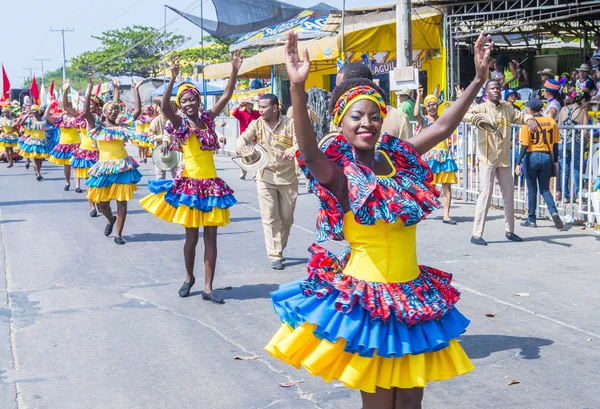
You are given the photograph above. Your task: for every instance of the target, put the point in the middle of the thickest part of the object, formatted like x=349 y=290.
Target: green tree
x=131 y=51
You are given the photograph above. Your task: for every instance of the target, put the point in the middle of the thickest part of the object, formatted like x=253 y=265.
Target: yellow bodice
x=9 y=130
x=69 y=136
x=112 y=150
x=382 y=252
x=442 y=146
x=87 y=143
x=37 y=134
x=198 y=164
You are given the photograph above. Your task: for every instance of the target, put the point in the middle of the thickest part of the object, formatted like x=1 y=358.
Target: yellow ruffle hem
x=4 y=145
x=82 y=173
x=58 y=161
x=300 y=348
x=34 y=155
x=445 y=178
x=184 y=215
x=119 y=192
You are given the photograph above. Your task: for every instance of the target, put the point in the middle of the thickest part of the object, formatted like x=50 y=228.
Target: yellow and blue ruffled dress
x=372 y=316
x=142 y=129
x=86 y=154
x=197 y=197
x=69 y=140
x=35 y=144
x=441 y=161
x=115 y=175
x=9 y=136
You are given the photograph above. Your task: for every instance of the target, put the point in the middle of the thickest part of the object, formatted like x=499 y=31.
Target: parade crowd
x=370 y=317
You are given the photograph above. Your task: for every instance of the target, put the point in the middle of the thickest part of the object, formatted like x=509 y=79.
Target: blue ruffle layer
x=204 y=204
x=61 y=155
x=447 y=166
x=365 y=336
x=34 y=148
x=79 y=163
x=124 y=178
x=9 y=141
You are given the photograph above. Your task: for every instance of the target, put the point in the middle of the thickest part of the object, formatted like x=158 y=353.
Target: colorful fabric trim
x=67 y=122
x=61 y=154
x=354 y=95
x=143 y=119
x=201 y=194
x=33 y=125
x=113 y=167
x=9 y=138
x=101 y=133
x=128 y=177
x=86 y=154
x=208 y=138
x=408 y=195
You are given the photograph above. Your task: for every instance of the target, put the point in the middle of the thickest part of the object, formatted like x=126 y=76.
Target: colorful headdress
x=551 y=85
x=36 y=108
x=185 y=88
x=430 y=98
x=578 y=94
x=108 y=104
x=96 y=100
x=360 y=93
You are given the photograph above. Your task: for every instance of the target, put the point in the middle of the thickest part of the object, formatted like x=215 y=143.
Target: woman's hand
x=90 y=79
x=237 y=60
x=533 y=125
x=518 y=170
x=420 y=92
x=66 y=86
x=136 y=84
x=482 y=56
x=297 y=70
x=459 y=91
x=175 y=68
x=115 y=83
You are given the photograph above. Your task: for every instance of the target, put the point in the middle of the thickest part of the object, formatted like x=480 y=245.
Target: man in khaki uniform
x=277 y=183
x=493 y=153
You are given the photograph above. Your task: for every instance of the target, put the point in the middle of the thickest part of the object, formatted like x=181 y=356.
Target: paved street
x=88 y=324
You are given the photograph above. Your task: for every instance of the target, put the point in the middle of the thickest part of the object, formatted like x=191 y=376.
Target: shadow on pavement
x=245 y=292
x=481 y=346
x=464 y=219
x=11 y=221
x=551 y=239
x=151 y=237
x=290 y=261
x=243 y=219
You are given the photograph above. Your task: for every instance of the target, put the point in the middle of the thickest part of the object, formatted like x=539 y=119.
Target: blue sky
x=28 y=24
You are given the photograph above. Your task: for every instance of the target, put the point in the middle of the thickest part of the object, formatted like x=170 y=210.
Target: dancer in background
x=35 y=146
x=142 y=129
x=440 y=160
x=9 y=136
x=68 y=143
x=115 y=175
x=86 y=154
x=197 y=197
x=371 y=317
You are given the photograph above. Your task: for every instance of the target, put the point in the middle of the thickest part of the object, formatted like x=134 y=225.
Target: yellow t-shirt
x=540 y=141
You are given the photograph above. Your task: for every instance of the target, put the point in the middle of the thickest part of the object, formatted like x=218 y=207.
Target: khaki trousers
x=277 y=205
x=487 y=174
x=162 y=174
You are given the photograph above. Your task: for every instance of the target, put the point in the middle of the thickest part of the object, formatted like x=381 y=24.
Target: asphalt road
x=88 y=324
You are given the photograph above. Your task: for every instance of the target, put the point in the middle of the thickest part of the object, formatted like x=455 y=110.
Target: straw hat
x=486 y=123
x=324 y=141
x=548 y=72
x=252 y=158
x=403 y=92
x=584 y=67
x=165 y=162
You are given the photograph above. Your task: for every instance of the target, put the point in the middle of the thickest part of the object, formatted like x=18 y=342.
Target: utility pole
x=343 y=31
x=42 y=61
x=403 y=34
x=165 y=46
x=30 y=71
x=62 y=30
x=204 y=97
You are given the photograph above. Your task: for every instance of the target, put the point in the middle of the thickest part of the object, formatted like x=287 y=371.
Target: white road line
x=523 y=309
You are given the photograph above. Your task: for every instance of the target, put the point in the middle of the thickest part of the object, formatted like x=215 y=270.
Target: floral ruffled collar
x=406 y=195
x=208 y=138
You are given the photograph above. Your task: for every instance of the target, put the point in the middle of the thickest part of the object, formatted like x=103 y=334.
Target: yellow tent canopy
x=373 y=32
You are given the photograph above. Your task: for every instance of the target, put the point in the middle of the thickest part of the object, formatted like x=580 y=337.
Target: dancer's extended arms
x=164 y=103
x=236 y=63
x=91 y=120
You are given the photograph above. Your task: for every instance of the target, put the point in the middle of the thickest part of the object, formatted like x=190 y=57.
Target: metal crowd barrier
x=229 y=127
x=581 y=157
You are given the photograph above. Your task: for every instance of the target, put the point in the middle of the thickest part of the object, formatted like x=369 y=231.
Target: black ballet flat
x=94 y=213
x=78 y=190
x=10 y=166
x=39 y=178
x=184 y=291
x=27 y=166
x=109 y=228
x=67 y=187
x=213 y=298
x=450 y=221
x=119 y=240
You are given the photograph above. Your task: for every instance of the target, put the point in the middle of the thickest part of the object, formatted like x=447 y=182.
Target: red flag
x=52 y=91
x=5 y=85
x=99 y=88
x=35 y=92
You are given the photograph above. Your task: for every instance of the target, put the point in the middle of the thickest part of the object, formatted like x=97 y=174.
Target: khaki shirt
x=396 y=123
x=276 y=141
x=157 y=129
x=493 y=150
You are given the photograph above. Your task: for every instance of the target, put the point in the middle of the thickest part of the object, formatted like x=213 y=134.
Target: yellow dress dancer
x=9 y=136
x=86 y=154
x=34 y=146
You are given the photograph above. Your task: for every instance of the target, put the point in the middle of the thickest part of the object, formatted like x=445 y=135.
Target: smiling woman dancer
x=9 y=136
x=115 y=175
x=371 y=317
x=197 y=197
x=142 y=128
x=35 y=145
